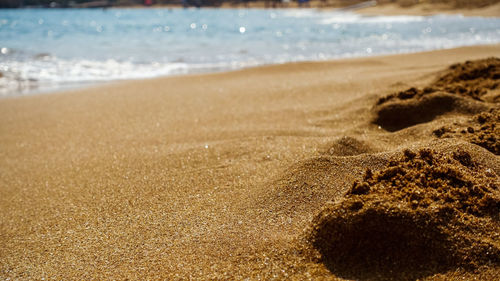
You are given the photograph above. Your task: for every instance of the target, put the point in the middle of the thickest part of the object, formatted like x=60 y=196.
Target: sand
x=236 y=175
x=426 y=212
x=486 y=8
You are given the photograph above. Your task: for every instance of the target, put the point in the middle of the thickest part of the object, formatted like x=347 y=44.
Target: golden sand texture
x=211 y=176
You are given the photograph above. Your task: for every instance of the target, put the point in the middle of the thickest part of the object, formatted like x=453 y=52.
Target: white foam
x=353 y=18
x=348 y=17
x=300 y=13
x=24 y=76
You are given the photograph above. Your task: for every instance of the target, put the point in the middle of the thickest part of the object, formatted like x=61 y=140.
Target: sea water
x=49 y=49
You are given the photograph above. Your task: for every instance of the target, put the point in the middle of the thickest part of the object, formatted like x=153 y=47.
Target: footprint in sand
x=468 y=88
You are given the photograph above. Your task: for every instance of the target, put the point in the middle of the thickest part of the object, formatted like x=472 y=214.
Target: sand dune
x=259 y=173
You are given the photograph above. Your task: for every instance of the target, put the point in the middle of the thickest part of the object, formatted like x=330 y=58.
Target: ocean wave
x=45 y=72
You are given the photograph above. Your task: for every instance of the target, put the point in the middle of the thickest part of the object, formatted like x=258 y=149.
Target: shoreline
x=91 y=85
x=214 y=175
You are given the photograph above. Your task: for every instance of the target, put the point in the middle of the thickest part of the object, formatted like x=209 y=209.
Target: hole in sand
x=397 y=114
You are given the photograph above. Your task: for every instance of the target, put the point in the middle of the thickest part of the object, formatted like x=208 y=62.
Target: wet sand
x=241 y=174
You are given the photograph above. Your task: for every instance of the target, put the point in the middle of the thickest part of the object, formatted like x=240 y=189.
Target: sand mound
x=462 y=88
x=425 y=213
x=484 y=131
x=348 y=146
x=309 y=184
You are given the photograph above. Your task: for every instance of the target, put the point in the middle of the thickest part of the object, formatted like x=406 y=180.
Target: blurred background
x=214 y=3
x=49 y=45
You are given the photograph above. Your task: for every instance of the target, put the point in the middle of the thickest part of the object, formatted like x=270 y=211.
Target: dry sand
x=228 y=175
x=426 y=8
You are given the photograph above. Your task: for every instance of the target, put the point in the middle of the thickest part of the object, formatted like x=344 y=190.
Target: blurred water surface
x=47 y=49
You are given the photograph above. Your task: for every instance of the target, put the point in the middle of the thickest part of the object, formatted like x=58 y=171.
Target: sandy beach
x=228 y=176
